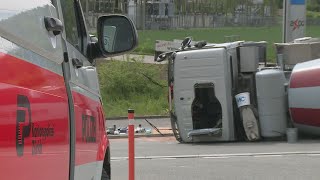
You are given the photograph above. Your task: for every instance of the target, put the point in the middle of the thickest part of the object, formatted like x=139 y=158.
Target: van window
x=70 y=23
x=81 y=26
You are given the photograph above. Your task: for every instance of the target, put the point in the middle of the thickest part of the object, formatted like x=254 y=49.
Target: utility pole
x=143 y=14
x=87 y=7
x=87 y=12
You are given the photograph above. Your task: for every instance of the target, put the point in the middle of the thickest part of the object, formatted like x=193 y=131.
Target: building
x=151 y=14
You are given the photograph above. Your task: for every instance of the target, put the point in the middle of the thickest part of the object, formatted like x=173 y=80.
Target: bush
x=313 y=14
x=145 y=47
x=132 y=84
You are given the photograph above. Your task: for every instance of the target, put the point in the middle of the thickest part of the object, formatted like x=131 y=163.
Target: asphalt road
x=240 y=168
x=165 y=159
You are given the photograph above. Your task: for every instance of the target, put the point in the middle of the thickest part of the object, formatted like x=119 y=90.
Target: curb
x=138 y=136
x=137 y=117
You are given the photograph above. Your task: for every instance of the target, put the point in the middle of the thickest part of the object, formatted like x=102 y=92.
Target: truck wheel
x=105 y=175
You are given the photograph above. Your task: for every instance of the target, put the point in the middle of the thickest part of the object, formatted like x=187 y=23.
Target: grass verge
x=134 y=85
x=272 y=35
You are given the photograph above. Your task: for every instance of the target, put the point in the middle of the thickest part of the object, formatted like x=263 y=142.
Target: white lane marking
x=166 y=159
x=313 y=154
x=264 y=156
x=274 y=154
x=215 y=157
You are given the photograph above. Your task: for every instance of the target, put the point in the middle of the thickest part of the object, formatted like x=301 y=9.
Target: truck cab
x=52 y=122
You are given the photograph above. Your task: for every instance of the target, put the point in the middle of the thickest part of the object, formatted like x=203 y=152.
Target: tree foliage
x=313 y=5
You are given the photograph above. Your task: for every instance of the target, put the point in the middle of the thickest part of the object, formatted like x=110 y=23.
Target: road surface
x=165 y=159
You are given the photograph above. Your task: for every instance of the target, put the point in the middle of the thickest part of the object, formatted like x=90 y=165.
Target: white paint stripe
x=313 y=154
x=215 y=157
x=166 y=159
x=224 y=155
x=268 y=156
x=307 y=97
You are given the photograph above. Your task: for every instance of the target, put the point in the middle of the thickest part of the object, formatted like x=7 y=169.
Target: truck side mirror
x=116 y=35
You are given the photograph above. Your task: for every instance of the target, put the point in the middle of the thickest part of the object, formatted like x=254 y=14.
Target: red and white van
x=52 y=124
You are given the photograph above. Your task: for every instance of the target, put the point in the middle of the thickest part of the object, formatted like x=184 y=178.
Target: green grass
x=143 y=105
x=272 y=35
x=123 y=85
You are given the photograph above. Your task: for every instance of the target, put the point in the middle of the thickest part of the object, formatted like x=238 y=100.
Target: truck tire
x=105 y=175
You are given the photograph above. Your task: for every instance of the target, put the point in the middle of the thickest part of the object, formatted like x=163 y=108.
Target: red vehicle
x=52 y=124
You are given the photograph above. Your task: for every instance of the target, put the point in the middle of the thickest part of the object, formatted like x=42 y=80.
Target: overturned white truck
x=218 y=92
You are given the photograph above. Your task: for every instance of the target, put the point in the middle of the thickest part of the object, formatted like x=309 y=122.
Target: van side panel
x=34 y=131
x=90 y=135
x=34 y=117
x=89 y=129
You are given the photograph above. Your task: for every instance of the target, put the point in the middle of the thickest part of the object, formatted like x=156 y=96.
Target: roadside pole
x=131 y=143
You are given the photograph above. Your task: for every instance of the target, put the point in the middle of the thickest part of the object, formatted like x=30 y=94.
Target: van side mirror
x=116 y=35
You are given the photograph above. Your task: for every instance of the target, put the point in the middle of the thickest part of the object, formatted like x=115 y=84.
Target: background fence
x=195 y=21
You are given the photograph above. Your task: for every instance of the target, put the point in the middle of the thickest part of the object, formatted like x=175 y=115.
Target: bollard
x=131 y=143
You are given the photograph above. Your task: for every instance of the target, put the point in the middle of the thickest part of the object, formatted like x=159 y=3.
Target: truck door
x=34 y=119
x=88 y=122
